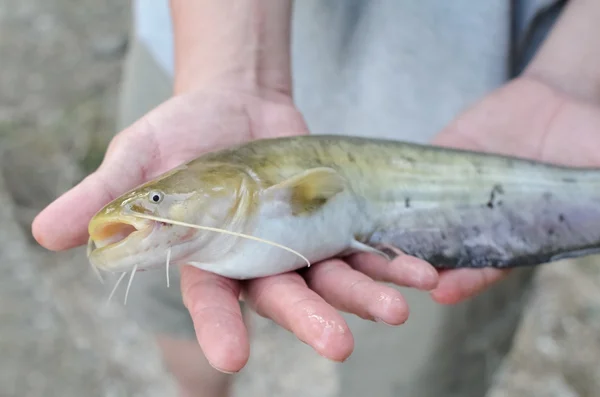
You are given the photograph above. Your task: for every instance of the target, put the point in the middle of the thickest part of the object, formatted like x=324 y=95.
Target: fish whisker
x=167 y=266
x=129 y=283
x=224 y=231
x=115 y=287
x=94 y=268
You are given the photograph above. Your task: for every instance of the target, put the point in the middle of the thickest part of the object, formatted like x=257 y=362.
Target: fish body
x=325 y=196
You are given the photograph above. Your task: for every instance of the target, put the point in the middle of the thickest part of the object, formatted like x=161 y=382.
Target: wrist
x=244 y=79
x=232 y=44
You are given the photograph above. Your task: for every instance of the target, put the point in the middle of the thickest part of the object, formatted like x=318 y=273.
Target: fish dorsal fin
x=308 y=190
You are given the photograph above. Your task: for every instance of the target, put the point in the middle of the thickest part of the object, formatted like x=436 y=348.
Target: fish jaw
x=114 y=238
x=107 y=231
x=122 y=243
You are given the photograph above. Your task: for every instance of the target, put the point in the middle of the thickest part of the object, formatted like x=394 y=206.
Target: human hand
x=303 y=302
x=524 y=118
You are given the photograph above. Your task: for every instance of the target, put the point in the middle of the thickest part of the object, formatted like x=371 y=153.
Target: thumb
x=63 y=224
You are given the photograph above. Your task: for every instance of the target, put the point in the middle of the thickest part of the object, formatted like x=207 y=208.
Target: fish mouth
x=110 y=232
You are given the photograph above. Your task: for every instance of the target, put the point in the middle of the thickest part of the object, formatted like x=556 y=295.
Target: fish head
x=122 y=237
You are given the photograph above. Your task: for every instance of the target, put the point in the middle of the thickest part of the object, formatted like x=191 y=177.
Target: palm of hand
x=186 y=126
x=529 y=119
x=523 y=119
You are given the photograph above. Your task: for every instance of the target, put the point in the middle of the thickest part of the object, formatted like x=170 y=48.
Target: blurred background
x=60 y=68
x=60 y=64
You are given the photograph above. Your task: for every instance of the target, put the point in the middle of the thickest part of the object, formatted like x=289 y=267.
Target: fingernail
x=381 y=321
x=222 y=370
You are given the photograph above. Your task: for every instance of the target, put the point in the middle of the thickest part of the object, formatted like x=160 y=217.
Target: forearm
x=232 y=42
x=570 y=58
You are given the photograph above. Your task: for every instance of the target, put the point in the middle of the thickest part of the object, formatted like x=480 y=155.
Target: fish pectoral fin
x=308 y=190
x=357 y=247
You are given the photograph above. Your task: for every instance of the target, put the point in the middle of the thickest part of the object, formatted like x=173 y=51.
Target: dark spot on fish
x=550 y=232
x=476 y=229
x=569 y=180
x=351 y=158
x=407 y=202
x=500 y=202
x=497 y=189
x=443 y=236
x=547 y=196
x=561 y=218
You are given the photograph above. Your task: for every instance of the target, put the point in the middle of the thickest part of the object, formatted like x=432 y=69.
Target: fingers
x=354 y=292
x=289 y=302
x=63 y=224
x=213 y=304
x=460 y=284
x=404 y=270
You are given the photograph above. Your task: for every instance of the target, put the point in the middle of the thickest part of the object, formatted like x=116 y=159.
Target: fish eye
x=155 y=197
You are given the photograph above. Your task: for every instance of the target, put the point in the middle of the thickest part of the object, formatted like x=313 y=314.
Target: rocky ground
x=556 y=351
x=60 y=64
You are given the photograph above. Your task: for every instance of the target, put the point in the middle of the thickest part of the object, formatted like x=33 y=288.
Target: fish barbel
x=326 y=196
